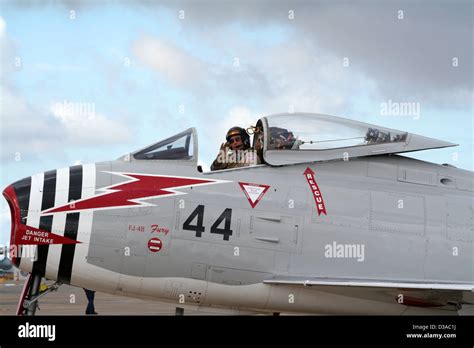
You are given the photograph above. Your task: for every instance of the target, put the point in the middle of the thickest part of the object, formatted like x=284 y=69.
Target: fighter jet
x=332 y=221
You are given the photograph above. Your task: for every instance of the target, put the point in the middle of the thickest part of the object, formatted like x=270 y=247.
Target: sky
x=88 y=81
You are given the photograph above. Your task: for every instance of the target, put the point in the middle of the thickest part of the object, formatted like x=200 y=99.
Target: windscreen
x=178 y=147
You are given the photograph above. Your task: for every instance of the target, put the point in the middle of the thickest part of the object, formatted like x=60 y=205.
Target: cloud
x=85 y=126
x=187 y=71
x=25 y=130
x=278 y=77
x=408 y=54
x=304 y=78
x=245 y=117
x=406 y=48
x=184 y=70
x=59 y=68
x=3 y=26
x=7 y=49
x=29 y=130
x=4 y=213
x=169 y=60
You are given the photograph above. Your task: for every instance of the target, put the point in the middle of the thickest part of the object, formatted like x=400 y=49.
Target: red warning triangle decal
x=253 y=192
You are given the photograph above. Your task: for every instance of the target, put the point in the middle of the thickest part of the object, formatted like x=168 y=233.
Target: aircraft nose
x=17 y=196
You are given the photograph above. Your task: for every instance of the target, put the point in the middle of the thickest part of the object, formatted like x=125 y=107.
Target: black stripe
x=46 y=222
x=72 y=223
x=75 y=183
x=22 y=190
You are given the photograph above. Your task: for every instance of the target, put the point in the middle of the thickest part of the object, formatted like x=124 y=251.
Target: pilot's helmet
x=239 y=131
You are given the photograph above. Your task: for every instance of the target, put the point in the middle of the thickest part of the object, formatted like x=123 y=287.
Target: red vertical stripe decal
x=318 y=197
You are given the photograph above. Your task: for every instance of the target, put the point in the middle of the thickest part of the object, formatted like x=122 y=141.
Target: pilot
x=236 y=152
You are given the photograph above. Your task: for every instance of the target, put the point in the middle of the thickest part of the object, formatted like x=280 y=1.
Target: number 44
x=199 y=227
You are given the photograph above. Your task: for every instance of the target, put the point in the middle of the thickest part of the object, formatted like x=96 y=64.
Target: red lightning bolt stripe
x=127 y=194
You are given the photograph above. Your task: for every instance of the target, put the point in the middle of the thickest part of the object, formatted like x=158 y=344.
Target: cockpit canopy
x=301 y=132
x=178 y=147
x=303 y=137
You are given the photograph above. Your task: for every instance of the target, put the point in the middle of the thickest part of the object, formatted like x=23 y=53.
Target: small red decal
x=155 y=245
x=136 y=228
x=27 y=235
x=318 y=197
x=158 y=229
x=253 y=192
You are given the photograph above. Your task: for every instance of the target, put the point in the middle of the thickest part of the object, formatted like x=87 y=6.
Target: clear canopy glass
x=178 y=147
x=321 y=132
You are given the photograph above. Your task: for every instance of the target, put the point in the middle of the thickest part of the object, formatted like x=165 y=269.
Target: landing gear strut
x=30 y=307
x=31 y=294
